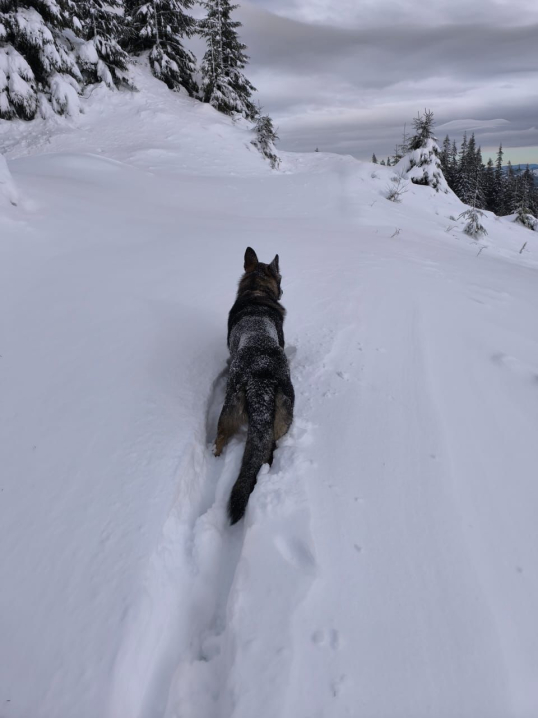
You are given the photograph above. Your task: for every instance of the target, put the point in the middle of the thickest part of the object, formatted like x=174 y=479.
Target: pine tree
x=444 y=157
x=101 y=57
x=266 y=136
x=465 y=180
x=374 y=159
x=489 y=186
x=38 y=65
x=422 y=164
x=532 y=191
x=499 y=186
x=479 y=172
x=510 y=190
x=423 y=126
x=224 y=86
x=453 y=174
x=159 y=26
x=473 y=226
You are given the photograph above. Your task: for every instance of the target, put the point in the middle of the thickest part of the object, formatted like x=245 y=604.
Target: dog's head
x=261 y=277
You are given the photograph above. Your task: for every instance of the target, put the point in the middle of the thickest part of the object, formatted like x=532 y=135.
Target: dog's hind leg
x=232 y=417
x=285 y=400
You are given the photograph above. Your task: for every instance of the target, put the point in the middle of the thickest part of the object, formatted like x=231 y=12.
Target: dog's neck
x=264 y=293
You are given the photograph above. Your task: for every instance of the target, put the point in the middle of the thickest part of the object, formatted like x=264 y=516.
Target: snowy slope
x=387 y=565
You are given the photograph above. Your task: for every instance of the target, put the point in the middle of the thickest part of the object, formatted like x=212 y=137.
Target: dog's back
x=259 y=389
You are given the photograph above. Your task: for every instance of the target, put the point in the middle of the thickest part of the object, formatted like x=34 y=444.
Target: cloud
x=468 y=125
x=345 y=76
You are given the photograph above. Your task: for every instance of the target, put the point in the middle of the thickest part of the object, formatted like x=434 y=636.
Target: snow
x=387 y=562
x=8 y=190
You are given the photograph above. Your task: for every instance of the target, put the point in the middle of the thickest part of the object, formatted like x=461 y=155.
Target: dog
x=259 y=391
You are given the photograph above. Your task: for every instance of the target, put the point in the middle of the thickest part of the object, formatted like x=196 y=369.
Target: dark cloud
x=350 y=88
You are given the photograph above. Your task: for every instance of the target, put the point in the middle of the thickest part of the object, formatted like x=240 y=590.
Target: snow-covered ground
x=387 y=566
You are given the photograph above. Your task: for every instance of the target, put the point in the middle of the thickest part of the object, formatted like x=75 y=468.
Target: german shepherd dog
x=259 y=391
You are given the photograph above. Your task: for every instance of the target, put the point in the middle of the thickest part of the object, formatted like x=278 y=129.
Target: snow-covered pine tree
x=102 y=59
x=444 y=158
x=224 y=85
x=266 y=136
x=421 y=164
x=464 y=185
x=38 y=64
x=510 y=190
x=453 y=165
x=479 y=170
x=489 y=185
x=523 y=208
x=159 y=26
x=499 y=186
x=374 y=159
x=473 y=226
x=532 y=189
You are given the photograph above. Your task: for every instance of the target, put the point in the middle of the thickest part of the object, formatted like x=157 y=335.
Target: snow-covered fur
x=259 y=390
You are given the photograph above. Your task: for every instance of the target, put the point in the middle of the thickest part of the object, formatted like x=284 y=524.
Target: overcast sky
x=345 y=75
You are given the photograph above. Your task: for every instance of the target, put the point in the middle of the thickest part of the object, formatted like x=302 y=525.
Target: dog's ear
x=274 y=266
x=251 y=260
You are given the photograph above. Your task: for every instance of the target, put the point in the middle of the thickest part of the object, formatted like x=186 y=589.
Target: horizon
x=346 y=78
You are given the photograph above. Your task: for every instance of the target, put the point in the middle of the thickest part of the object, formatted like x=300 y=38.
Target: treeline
x=491 y=186
x=510 y=190
x=50 y=50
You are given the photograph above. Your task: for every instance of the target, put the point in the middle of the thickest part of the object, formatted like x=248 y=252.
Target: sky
x=346 y=75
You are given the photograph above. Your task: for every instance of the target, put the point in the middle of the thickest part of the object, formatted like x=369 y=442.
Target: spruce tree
x=510 y=191
x=374 y=159
x=224 y=85
x=101 y=58
x=444 y=157
x=453 y=163
x=423 y=126
x=479 y=171
x=523 y=201
x=473 y=226
x=489 y=186
x=532 y=191
x=159 y=26
x=38 y=65
x=266 y=136
x=499 y=186
x=422 y=164
x=465 y=180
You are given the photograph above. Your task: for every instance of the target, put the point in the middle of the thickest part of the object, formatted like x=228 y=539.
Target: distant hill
x=534 y=168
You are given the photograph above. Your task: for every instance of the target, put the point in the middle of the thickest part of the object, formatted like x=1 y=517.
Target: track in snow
x=186 y=646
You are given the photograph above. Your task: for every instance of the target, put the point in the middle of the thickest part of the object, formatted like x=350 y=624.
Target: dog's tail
x=260 y=402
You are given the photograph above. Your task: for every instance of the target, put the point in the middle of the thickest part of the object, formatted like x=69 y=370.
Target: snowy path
x=387 y=564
